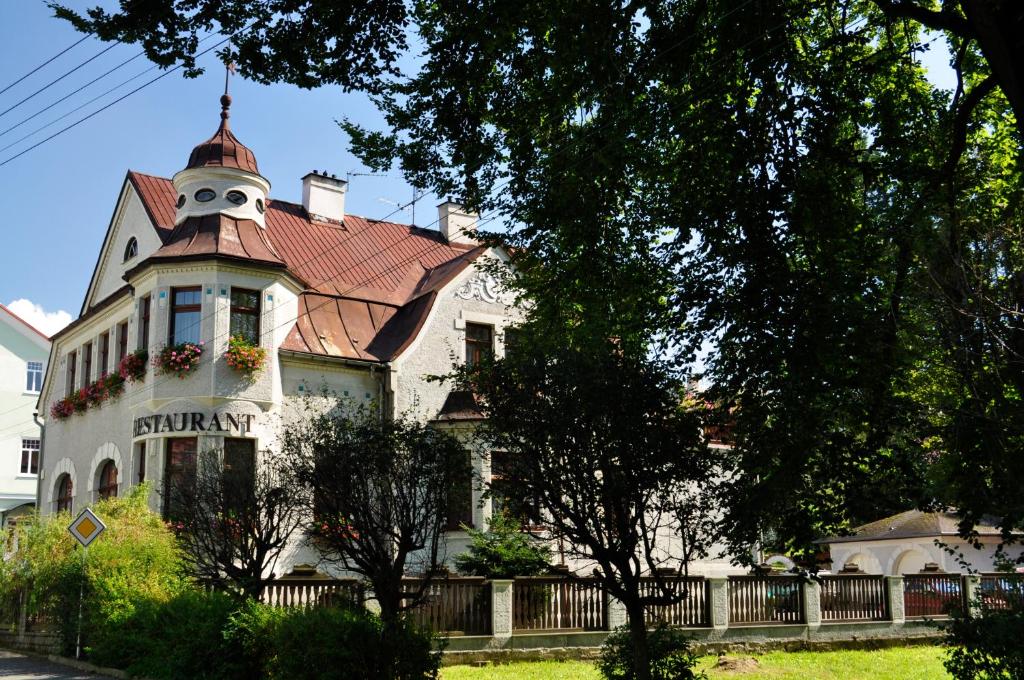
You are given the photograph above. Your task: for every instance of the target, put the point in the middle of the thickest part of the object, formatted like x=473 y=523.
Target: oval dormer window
x=236 y=197
x=131 y=249
x=259 y=205
x=181 y=200
x=205 y=195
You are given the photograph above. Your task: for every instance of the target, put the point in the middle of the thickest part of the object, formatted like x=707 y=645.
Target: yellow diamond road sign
x=86 y=527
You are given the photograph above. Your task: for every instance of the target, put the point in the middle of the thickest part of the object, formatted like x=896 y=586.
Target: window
x=526 y=510
x=107 y=482
x=185 y=315
x=513 y=340
x=141 y=464
x=65 y=493
x=29 y=457
x=179 y=472
x=239 y=473
x=144 y=309
x=236 y=197
x=460 y=502
x=131 y=249
x=122 y=341
x=104 y=354
x=69 y=383
x=34 y=377
x=86 y=363
x=205 y=195
x=479 y=343
x=245 y=314
x=181 y=200
x=259 y=206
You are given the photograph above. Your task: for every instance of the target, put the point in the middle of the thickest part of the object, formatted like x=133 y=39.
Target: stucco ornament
x=480 y=286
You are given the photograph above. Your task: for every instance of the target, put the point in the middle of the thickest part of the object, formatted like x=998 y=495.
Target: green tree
x=505 y=550
x=600 y=441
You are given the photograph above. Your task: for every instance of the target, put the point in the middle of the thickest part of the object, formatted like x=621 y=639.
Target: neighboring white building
x=23 y=355
x=368 y=309
x=906 y=542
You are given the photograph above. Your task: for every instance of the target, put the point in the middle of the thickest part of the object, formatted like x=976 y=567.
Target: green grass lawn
x=900 y=663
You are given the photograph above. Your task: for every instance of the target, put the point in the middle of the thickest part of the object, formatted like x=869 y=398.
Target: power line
x=70 y=94
x=116 y=101
x=63 y=51
x=59 y=78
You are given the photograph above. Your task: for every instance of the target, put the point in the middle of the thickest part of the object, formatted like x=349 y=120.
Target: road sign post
x=86 y=528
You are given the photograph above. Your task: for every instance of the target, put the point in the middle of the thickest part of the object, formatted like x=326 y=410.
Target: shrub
x=134 y=561
x=337 y=643
x=503 y=551
x=182 y=637
x=988 y=646
x=669 y=654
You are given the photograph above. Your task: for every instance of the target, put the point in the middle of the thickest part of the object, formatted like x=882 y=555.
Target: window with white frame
x=34 y=376
x=29 y=457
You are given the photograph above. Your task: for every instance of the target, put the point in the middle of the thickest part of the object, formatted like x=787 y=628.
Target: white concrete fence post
x=894 y=593
x=615 y=612
x=972 y=589
x=719 y=600
x=501 y=607
x=812 y=604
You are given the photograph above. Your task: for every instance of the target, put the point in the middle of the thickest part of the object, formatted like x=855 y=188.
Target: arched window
x=65 y=493
x=107 y=487
x=131 y=249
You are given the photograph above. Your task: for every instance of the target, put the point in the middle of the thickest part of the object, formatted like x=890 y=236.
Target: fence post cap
x=896 y=577
x=502 y=581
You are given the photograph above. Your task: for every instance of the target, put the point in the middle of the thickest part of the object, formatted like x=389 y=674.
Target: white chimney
x=323 y=196
x=457 y=225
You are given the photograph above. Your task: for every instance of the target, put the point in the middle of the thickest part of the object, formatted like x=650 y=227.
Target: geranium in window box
x=62 y=409
x=180 y=359
x=80 y=400
x=245 y=357
x=96 y=393
x=114 y=384
x=133 y=366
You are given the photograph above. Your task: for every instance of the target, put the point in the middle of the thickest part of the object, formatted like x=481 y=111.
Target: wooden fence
x=931 y=595
x=853 y=597
x=310 y=592
x=765 y=599
x=691 y=611
x=552 y=603
x=1002 y=591
x=455 y=606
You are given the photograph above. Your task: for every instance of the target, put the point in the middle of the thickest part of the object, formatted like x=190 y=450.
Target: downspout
x=42 y=457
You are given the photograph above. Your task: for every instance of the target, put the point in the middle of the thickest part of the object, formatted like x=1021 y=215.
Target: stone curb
x=75 y=663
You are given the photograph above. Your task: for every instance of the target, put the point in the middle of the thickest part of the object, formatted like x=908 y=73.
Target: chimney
x=457 y=225
x=323 y=196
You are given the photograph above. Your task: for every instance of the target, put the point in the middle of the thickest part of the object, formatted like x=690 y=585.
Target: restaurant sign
x=193 y=421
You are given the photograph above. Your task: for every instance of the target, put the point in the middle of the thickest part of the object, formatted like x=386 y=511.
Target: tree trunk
x=638 y=640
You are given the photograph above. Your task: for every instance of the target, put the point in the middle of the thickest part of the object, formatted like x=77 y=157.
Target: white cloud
x=47 y=322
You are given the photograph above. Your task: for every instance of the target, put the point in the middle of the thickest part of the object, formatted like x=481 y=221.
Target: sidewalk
x=15 y=666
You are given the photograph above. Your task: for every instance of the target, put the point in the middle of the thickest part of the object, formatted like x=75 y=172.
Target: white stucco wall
x=18 y=346
x=908 y=556
x=130 y=220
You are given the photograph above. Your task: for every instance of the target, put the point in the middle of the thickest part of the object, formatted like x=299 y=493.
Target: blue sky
x=60 y=196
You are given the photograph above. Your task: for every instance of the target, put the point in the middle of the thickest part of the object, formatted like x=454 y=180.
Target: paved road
x=14 y=666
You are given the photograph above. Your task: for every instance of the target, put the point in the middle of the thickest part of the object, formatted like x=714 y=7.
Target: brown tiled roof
x=914 y=524
x=158 y=197
x=223 y=149
x=222 y=236
x=460 y=405
x=370 y=284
